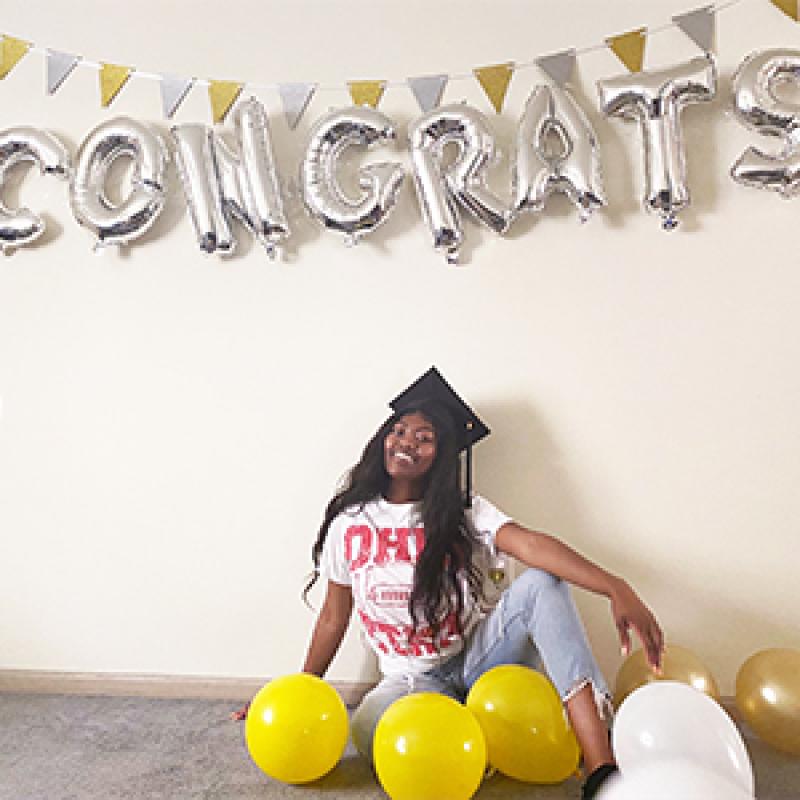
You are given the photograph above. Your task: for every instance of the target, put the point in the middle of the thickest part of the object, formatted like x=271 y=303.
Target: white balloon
x=672 y=779
x=667 y=720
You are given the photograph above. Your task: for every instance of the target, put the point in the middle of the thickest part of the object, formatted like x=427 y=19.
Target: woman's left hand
x=630 y=612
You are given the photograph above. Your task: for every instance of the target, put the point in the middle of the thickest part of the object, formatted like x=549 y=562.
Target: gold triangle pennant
x=112 y=78
x=494 y=80
x=222 y=95
x=629 y=48
x=11 y=51
x=789 y=7
x=366 y=93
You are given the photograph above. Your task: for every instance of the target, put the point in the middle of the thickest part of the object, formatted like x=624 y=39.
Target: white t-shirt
x=373 y=550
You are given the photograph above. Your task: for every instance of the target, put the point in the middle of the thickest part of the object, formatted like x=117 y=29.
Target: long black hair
x=449 y=541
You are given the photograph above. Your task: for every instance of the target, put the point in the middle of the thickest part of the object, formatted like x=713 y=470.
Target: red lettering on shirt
x=357 y=545
x=385 y=594
x=403 y=641
x=416 y=541
x=392 y=546
x=398 y=545
x=387 y=546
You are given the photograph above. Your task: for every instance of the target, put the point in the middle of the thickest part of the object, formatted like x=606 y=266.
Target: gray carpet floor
x=110 y=748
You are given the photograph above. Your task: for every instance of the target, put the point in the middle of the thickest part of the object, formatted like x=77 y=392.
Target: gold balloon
x=678 y=664
x=768 y=695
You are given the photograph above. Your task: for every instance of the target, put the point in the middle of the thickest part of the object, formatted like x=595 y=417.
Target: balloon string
x=390 y=84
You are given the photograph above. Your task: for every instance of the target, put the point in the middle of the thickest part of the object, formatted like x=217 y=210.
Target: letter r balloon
x=442 y=186
x=656 y=99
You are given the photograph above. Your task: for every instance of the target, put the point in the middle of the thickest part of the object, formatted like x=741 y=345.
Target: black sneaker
x=593 y=783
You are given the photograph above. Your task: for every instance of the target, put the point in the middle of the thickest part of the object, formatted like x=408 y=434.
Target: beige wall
x=171 y=425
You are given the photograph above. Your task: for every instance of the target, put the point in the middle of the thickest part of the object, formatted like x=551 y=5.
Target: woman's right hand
x=241 y=714
x=630 y=612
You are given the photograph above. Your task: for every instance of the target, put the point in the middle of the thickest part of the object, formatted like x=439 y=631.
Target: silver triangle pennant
x=295 y=97
x=428 y=90
x=699 y=26
x=59 y=66
x=173 y=91
x=558 y=66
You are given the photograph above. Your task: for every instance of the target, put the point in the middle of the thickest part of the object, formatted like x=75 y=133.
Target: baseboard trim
x=186 y=687
x=177 y=687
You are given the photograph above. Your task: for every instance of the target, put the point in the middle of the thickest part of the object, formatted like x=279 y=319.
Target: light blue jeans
x=535 y=624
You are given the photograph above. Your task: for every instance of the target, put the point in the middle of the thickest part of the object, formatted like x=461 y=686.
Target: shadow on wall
x=521 y=468
x=712 y=628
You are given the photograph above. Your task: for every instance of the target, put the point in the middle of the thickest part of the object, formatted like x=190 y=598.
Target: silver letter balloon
x=220 y=181
x=552 y=117
x=22 y=226
x=758 y=105
x=440 y=184
x=117 y=224
x=656 y=99
x=379 y=183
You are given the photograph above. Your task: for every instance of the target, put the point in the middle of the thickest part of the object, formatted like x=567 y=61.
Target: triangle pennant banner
x=428 y=90
x=173 y=91
x=11 y=51
x=559 y=67
x=789 y=7
x=59 y=66
x=222 y=95
x=366 y=93
x=295 y=98
x=699 y=26
x=495 y=80
x=629 y=48
x=112 y=78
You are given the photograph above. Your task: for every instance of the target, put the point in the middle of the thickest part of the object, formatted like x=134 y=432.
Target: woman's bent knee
x=538 y=581
x=366 y=717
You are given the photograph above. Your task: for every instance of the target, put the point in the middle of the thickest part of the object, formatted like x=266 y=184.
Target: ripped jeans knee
x=536 y=624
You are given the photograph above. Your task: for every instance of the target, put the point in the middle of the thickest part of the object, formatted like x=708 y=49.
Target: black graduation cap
x=432 y=388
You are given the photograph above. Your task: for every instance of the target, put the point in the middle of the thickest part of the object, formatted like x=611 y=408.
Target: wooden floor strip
x=149 y=685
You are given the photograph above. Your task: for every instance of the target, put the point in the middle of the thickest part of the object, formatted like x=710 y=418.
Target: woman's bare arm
x=326 y=638
x=330 y=628
x=551 y=555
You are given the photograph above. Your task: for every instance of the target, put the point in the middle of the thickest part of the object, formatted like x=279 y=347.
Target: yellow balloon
x=525 y=725
x=768 y=695
x=429 y=747
x=297 y=728
x=678 y=664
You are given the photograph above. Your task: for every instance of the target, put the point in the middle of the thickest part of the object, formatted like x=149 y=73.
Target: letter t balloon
x=656 y=100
